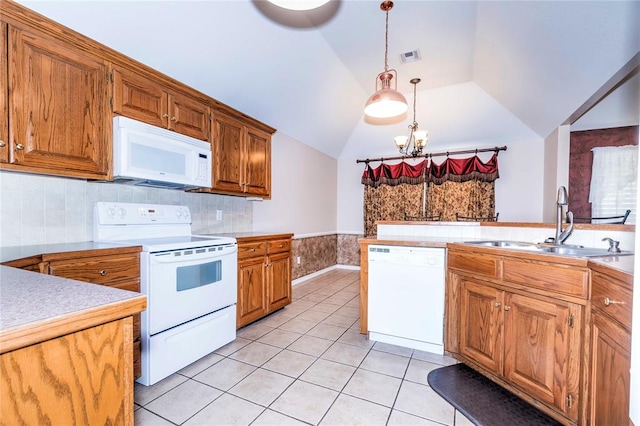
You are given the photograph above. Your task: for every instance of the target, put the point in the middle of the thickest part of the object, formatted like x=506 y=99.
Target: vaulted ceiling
x=491 y=72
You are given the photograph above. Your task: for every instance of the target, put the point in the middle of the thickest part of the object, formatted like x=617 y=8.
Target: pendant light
x=386 y=102
x=299 y=4
x=418 y=137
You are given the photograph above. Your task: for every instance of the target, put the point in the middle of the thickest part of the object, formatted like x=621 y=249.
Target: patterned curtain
x=463 y=186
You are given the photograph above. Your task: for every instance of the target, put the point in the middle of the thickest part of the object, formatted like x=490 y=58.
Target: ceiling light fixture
x=418 y=137
x=299 y=4
x=386 y=102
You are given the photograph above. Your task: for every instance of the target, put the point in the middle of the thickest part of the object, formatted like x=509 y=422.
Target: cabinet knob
x=608 y=302
x=281 y=245
x=19 y=147
x=3 y=144
x=174 y=119
x=103 y=272
x=253 y=249
x=507 y=307
x=165 y=115
x=496 y=304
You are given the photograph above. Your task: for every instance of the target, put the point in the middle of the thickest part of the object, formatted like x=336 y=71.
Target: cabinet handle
x=507 y=307
x=165 y=115
x=3 y=144
x=174 y=119
x=496 y=304
x=19 y=147
x=608 y=302
x=103 y=272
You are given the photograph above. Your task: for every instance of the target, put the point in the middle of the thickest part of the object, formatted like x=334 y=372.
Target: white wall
x=518 y=190
x=303 y=187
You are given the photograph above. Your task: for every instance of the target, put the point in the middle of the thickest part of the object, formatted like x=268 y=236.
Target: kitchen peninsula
x=66 y=350
x=544 y=326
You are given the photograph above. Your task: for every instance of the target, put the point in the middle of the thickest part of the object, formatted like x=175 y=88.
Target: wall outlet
x=218 y=214
x=298 y=260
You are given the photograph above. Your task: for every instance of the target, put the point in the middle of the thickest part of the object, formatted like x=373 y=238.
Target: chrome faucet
x=562 y=235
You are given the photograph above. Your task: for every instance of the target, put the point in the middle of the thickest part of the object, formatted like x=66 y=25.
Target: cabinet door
x=481 y=337
x=189 y=116
x=279 y=280
x=252 y=301
x=58 y=107
x=140 y=98
x=227 y=147
x=610 y=376
x=538 y=343
x=258 y=166
x=4 y=93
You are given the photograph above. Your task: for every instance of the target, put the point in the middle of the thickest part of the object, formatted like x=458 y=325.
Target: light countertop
x=8 y=254
x=35 y=307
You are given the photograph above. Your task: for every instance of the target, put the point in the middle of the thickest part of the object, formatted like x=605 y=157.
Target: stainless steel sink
x=562 y=250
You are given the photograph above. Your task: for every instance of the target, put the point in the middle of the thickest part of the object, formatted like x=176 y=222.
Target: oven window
x=199 y=275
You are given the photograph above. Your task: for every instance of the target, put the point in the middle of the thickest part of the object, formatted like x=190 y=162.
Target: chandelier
x=418 y=137
x=386 y=102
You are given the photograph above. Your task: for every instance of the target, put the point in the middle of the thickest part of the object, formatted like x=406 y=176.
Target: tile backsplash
x=37 y=209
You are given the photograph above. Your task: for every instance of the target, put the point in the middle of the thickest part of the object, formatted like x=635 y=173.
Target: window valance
x=427 y=171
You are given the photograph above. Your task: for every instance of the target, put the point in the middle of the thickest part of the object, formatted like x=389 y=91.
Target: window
x=614 y=181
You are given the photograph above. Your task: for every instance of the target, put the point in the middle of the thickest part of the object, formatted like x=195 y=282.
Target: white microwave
x=147 y=155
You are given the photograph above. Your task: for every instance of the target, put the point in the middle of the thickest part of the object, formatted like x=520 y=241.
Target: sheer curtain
x=614 y=181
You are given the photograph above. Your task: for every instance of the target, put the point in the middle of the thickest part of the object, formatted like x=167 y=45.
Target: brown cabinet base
x=264 y=276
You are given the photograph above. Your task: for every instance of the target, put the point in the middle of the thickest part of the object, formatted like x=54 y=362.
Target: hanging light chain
x=386 y=6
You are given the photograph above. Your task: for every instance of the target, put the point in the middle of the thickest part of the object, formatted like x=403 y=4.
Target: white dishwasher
x=406 y=296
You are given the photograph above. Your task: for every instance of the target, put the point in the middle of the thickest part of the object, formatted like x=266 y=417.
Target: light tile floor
x=305 y=364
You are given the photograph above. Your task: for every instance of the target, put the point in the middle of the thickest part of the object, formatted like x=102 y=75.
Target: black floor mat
x=482 y=401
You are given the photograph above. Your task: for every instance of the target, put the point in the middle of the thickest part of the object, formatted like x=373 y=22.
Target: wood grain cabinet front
x=610 y=379
x=241 y=157
x=145 y=99
x=530 y=342
x=56 y=97
x=4 y=94
x=120 y=271
x=82 y=377
x=264 y=278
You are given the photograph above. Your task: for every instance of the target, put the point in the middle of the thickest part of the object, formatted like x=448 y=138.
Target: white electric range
x=190 y=282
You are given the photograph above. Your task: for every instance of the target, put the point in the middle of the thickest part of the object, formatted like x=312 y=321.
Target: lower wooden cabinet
x=118 y=268
x=83 y=376
x=264 y=276
x=114 y=270
x=611 y=300
x=528 y=339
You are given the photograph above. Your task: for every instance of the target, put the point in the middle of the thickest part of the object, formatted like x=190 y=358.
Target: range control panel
x=137 y=214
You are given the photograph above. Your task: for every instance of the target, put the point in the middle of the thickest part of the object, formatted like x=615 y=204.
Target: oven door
x=182 y=285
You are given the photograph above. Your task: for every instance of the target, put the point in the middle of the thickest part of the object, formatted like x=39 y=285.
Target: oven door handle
x=170 y=257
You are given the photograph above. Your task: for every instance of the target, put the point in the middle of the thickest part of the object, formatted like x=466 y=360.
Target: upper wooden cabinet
x=145 y=99
x=59 y=91
x=58 y=116
x=4 y=93
x=241 y=156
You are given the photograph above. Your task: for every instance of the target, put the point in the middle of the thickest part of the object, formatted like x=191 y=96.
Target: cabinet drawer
x=96 y=270
x=612 y=298
x=567 y=280
x=474 y=263
x=279 y=246
x=247 y=250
